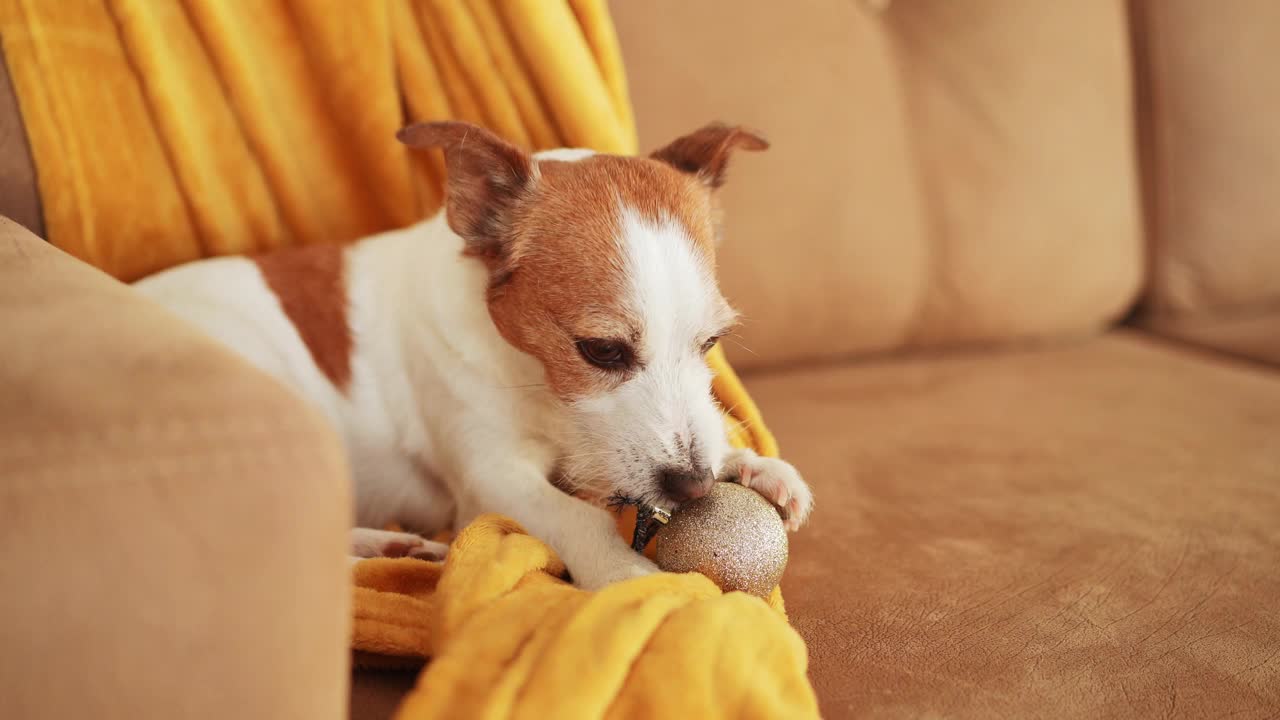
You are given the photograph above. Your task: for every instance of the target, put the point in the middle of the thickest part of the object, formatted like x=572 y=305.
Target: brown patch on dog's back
x=309 y=283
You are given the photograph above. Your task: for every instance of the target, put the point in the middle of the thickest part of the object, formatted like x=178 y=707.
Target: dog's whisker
x=521 y=387
x=576 y=456
x=740 y=344
x=608 y=440
x=573 y=487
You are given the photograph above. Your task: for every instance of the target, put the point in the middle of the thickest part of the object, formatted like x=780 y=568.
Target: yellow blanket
x=167 y=130
x=508 y=638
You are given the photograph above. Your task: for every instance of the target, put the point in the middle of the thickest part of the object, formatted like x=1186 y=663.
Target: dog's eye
x=605 y=354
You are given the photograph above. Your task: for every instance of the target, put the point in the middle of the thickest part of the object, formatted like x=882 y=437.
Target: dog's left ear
x=488 y=176
x=705 y=152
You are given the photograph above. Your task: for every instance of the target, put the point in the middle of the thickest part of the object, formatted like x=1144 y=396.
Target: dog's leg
x=583 y=535
x=370 y=543
x=777 y=480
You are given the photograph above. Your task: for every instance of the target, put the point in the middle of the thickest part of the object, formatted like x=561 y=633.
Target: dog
x=536 y=349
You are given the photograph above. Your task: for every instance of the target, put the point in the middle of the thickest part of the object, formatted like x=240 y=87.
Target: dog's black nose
x=683 y=484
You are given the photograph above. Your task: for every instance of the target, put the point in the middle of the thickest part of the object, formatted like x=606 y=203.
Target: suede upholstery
x=1211 y=157
x=172 y=522
x=1083 y=529
x=1213 y=154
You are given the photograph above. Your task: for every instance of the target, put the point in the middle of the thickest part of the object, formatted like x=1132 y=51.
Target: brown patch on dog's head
x=549 y=230
x=570 y=268
x=309 y=283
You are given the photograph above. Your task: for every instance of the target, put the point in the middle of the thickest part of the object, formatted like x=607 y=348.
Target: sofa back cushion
x=1209 y=115
x=941 y=172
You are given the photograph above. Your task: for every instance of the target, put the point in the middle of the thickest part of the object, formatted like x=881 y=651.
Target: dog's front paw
x=599 y=577
x=776 y=480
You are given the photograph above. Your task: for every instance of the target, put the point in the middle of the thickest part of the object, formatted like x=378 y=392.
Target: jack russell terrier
x=535 y=350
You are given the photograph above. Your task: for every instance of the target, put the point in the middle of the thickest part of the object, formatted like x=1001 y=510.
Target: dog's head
x=603 y=268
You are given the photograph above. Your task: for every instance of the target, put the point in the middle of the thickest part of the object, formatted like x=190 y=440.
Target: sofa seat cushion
x=1082 y=531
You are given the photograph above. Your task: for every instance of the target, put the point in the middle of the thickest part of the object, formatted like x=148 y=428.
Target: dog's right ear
x=487 y=178
x=704 y=153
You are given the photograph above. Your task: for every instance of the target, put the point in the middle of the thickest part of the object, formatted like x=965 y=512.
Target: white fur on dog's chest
x=432 y=387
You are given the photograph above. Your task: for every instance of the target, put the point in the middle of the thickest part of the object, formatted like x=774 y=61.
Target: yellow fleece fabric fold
x=165 y=131
x=509 y=638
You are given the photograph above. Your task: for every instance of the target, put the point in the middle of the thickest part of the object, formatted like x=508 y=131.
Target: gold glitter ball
x=732 y=535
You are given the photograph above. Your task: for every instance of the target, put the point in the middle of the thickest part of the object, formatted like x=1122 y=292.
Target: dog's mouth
x=649 y=519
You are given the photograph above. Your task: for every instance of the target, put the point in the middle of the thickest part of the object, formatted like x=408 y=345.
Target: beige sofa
x=1011 y=276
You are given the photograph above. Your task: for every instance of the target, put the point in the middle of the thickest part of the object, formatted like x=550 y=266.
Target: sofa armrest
x=173 y=523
